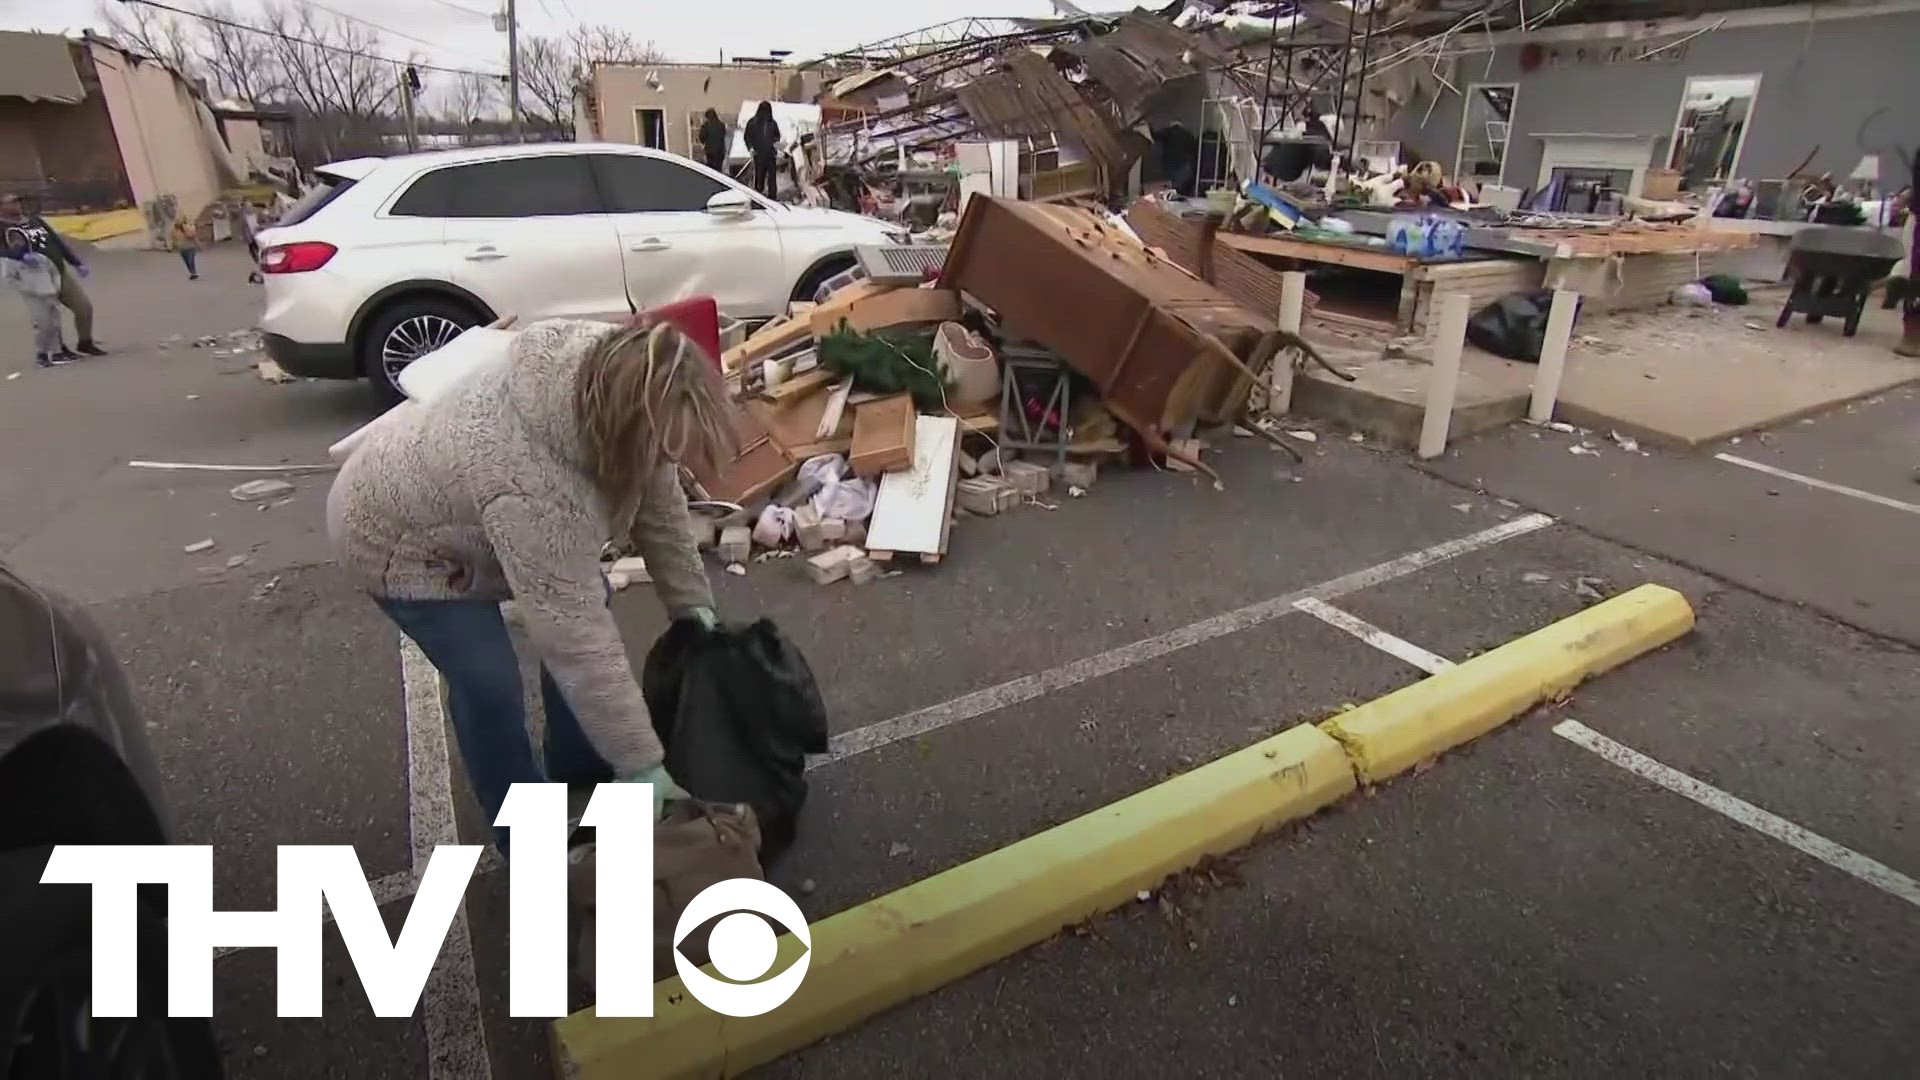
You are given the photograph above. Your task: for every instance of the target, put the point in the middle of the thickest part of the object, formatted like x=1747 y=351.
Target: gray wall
x=1817 y=84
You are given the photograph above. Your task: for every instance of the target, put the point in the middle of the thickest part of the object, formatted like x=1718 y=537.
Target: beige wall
x=246 y=142
x=163 y=142
x=688 y=90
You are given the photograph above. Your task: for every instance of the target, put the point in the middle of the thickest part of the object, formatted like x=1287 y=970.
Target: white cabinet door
x=673 y=248
x=528 y=236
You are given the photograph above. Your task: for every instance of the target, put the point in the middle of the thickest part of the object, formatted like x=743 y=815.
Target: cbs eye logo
x=743 y=947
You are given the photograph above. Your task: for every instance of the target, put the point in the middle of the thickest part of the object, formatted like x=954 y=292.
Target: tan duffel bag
x=698 y=845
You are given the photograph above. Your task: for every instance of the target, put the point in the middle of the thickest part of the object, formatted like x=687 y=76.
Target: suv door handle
x=485 y=253
x=651 y=243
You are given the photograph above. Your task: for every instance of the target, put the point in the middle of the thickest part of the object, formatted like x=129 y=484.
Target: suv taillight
x=296 y=258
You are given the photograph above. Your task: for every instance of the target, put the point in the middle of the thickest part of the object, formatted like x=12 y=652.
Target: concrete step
x=1388 y=397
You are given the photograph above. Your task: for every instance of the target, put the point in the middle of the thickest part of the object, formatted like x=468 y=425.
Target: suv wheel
x=404 y=332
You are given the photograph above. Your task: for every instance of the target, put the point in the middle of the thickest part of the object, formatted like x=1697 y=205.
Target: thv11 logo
x=395 y=970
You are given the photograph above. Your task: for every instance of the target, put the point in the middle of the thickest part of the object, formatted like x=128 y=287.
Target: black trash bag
x=738 y=712
x=1514 y=326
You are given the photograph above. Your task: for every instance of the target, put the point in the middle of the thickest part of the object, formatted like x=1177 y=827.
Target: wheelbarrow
x=1832 y=269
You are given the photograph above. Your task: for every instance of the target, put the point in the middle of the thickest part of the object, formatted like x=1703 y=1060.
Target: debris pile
x=881 y=412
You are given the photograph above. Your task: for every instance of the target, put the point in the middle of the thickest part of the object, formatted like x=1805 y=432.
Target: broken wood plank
x=769 y=339
x=870 y=313
x=796 y=427
x=883 y=436
x=914 y=509
x=798 y=386
x=1353 y=255
x=836 y=411
x=784 y=332
x=759 y=470
x=804 y=451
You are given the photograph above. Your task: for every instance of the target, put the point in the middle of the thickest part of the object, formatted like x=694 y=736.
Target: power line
x=322 y=46
x=387 y=30
x=468 y=10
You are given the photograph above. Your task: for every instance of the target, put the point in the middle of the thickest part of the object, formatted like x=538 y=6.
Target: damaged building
x=1091 y=106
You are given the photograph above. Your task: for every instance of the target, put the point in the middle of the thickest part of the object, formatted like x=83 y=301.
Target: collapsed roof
x=1087 y=78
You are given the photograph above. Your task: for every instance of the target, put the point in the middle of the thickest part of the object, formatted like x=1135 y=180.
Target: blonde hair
x=646 y=396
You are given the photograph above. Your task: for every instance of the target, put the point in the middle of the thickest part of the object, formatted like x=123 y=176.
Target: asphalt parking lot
x=1525 y=906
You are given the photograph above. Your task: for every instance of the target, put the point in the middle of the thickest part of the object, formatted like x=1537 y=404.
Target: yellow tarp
x=100 y=226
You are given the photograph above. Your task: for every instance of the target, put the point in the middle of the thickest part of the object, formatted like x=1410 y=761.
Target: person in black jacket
x=713 y=141
x=39 y=236
x=763 y=142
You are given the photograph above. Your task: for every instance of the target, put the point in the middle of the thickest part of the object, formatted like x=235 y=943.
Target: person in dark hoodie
x=39 y=236
x=507 y=487
x=763 y=142
x=713 y=141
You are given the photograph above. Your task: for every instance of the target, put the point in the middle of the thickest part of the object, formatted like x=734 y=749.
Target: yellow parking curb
x=874 y=956
x=1389 y=735
x=887 y=950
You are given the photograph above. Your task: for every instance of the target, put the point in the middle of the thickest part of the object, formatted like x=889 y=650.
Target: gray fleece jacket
x=484 y=493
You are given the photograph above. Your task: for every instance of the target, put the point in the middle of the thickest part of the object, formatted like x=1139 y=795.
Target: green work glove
x=663 y=789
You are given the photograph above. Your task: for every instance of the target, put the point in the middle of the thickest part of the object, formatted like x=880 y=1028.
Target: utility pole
x=409 y=90
x=513 y=71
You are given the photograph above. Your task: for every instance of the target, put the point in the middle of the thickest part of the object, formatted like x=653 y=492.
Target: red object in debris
x=698 y=317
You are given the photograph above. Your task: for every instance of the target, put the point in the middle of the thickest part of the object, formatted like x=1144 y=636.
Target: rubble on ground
x=260 y=490
x=880 y=414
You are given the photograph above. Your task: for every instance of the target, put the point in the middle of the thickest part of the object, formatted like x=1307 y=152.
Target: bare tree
x=241 y=62
x=166 y=37
x=469 y=97
x=547 y=85
x=553 y=71
x=330 y=73
x=590 y=45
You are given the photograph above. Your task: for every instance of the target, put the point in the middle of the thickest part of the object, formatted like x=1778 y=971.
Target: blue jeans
x=467 y=641
x=192 y=259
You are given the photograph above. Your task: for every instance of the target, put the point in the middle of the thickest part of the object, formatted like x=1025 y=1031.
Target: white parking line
x=1845 y=859
x=399 y=886
x=1823 y=485
x=1027 y=687
x=1431 y=663
x=1874 y=873
x=450 y=1005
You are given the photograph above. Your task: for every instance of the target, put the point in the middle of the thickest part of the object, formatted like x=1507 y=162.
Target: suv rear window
x=546 y=186
x=326 y=188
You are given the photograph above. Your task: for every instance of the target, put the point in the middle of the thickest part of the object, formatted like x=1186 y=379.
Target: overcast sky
x=689 y=30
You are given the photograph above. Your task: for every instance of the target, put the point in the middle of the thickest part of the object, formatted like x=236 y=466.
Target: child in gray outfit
x=35 y=277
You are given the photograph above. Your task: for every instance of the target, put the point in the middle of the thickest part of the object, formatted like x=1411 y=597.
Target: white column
x=1443 y=382
x=1293 y=303
x=1553 y=355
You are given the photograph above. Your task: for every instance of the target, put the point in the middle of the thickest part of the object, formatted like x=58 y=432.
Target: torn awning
x=38 y=67
x=1030 y=99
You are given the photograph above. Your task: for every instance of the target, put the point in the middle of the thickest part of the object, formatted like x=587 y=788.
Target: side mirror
x=730 y=203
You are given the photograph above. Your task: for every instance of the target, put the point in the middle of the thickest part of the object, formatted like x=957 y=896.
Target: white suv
x=388 y=258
